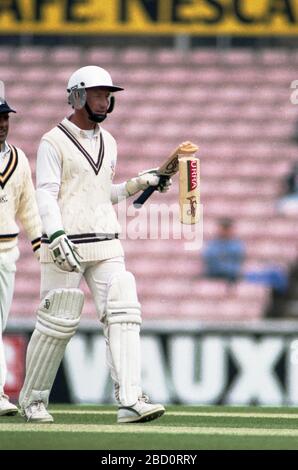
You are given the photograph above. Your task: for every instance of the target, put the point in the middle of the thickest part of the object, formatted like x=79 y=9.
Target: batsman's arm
x=48 y=181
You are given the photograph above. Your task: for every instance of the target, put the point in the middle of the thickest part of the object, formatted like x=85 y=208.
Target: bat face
x=171 y=166
x=189 y=194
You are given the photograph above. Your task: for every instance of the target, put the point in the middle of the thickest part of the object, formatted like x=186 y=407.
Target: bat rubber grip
x=137 y=203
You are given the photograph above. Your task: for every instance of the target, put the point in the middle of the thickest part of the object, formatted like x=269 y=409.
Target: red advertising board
x=15 y=354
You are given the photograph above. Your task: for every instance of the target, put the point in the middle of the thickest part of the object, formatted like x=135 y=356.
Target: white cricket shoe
x=7 y=408
x=36 y=412
x=141 y=412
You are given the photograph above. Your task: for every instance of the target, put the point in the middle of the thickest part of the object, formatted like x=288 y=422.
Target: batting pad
x=58 y=317
x=122 y=332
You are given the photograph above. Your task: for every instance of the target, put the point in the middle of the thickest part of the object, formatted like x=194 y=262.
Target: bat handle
x=137 y=203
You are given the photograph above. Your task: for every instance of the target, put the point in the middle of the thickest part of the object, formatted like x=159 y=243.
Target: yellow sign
x=196 y=17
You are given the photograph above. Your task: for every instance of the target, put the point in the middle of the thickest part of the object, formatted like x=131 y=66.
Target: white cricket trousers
x=7 y=276
x=98 y=277
x=96 y=273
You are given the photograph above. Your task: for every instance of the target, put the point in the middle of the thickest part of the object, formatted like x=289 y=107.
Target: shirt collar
x=77 y=131
x=4 y=149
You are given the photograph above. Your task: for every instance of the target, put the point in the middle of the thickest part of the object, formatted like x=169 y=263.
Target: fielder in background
x=17 y=199
x=75 y=167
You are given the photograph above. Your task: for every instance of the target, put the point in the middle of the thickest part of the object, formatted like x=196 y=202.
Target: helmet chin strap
x=95 y=117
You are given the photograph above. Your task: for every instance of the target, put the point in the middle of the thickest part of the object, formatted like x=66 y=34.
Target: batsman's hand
x=164 y=184
x=64 y=253
x=148 y=178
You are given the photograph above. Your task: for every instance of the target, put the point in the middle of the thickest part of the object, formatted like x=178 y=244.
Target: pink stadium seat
x=196 y=94
x=8 y=75
x=37 y=74
x=163 y=93
x=204 y=310
x=20 y=93
x=63 y=75
x=249 y=292
x=149 y=112
x=140 y=76
x=243 y=310
x=6 y=53
x=53 y=94
x=139 y=130
x=246 y=76
x=233 y=94
x=44 y=113
x=272 y=251
x=209 y=289
x=30 y=55
x=23 y=307
x=32 y=130
x=100 y=56
x=203 y=57
x=274 y=58
x=293 y=56
x=281 y=76
x=238 y=58
x=66 y=55
x=168 y=56
x=209 y=76
x=240 y=208
x=135 y=56
x=278 y=234
x=177 y=75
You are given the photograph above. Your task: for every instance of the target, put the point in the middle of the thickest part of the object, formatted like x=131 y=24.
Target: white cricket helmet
x=88 y=77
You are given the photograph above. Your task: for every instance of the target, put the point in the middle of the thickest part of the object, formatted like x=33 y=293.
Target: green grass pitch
x=181 y=428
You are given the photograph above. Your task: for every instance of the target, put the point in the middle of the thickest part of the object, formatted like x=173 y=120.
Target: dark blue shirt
x=224 y=258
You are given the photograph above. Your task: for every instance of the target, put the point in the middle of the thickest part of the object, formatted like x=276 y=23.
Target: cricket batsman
x=75 y=194
x=17 y=200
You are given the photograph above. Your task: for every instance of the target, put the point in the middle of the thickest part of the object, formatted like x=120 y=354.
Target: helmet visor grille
x=77 y=98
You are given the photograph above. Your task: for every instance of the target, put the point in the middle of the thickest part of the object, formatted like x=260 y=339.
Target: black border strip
x=36 y=243
x=6 y=175
x=9 y=235
x=86 y=238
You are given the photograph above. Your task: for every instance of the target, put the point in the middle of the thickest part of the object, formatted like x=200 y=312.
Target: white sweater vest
x=17 y=199
x=84 y=198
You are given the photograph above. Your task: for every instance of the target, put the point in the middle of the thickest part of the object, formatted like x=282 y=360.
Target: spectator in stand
x=223 y=256
x=289 y=200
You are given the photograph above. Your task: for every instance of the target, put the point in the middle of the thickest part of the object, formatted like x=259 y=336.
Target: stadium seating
x=234 y=104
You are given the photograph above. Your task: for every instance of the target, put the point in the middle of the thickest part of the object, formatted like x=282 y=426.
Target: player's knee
x=122 y=300
x=59 y=313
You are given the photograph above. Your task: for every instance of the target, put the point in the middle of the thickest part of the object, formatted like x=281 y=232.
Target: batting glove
x=64 y=253
x=148 y=178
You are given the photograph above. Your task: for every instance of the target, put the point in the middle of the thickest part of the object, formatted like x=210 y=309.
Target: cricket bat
x=168 y=169
x=189 y=191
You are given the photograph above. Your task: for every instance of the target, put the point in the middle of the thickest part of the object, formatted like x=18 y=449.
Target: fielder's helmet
x=4 y=106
